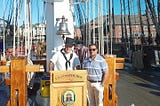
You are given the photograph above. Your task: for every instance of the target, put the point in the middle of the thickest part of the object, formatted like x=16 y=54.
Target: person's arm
x=51 y=65
x=53 y=61
x=104 y=78
x=76 y=63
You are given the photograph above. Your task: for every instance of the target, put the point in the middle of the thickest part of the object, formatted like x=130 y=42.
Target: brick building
x=117 y=37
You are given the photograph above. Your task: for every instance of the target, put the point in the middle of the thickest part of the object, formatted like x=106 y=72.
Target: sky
x=38 y=13
x=105 y=8
x=38 y=8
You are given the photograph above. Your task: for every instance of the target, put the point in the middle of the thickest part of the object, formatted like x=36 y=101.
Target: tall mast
x=18 y=28
x=106 y=27
x=100 y=28
x=129 y=20
x=113 y=26
x=30 y=29
x=122 y=39
x=148 y=23
x=86 y=27
x=14 y=36
x=158 y=3
x=25 y=27
x=89 y=26
x=154 y=19
x=4 y=42
x=125 y=28
x=93 y=12
x=140 y=16
x=150 y=40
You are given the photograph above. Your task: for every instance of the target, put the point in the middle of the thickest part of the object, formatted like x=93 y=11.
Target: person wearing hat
x=65 y=59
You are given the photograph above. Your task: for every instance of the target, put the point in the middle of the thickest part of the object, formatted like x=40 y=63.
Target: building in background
x=117 y=35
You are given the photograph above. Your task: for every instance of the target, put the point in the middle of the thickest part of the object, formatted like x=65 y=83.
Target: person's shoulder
x=100 y=56
x=57 y=53
x=86 y=59
x=74 y=53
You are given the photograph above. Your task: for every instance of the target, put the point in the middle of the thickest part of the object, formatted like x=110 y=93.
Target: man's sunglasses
x=92 y=49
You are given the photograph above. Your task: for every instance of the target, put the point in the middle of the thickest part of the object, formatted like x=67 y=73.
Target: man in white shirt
x=65 y=59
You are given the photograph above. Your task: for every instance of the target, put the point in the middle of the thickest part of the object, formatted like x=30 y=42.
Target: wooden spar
x=30 y=29
x=129 y=21
x=18 y=27
x=14 y=36
x=148 y=23
x=80 y=15
x=125 y=27
x=93 y=28
x=106 y=27
x=158 y=12
x=4 y=31
x=100 y=28
x=140 y=17
x=150 y=40
x=122 y=39
x=89 y=27
x=88 y=20
x=86 y=28
x=25 y=27
x=110 y=25
x=113 y=26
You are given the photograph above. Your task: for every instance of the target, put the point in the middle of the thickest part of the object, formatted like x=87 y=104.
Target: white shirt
x=60 y=62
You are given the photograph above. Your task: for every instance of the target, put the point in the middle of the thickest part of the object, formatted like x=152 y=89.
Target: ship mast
x=154 y=18
x=4 y=49
x=129 y=21
x=122 y=30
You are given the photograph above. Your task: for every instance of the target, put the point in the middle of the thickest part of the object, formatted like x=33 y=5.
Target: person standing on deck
x=65 y=59
x=81 y=51
x=97 y=70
